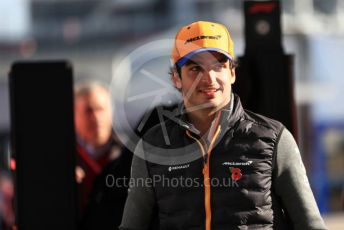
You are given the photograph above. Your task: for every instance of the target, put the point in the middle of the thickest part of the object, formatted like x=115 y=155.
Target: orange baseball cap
x=199 y=37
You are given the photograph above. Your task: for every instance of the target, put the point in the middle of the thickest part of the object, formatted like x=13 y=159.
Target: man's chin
x=215 y=105
x=204 y=105
x=100 y=141
x=212 y=103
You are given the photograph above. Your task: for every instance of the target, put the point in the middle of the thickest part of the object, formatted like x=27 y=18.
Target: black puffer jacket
x=230 y=187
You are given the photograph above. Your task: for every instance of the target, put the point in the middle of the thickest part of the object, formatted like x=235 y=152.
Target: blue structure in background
x=325 y=66
x=320 y=180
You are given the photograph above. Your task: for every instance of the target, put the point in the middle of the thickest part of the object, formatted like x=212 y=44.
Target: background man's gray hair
x=85 y=87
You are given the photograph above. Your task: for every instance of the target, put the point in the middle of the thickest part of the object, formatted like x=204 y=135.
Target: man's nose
x=93 y=117
x=209 y=76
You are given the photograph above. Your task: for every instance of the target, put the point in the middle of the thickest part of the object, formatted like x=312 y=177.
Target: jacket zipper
x=206 y=175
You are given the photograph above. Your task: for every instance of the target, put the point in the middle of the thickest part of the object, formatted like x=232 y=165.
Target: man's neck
x=95 y=150
x=201 y=119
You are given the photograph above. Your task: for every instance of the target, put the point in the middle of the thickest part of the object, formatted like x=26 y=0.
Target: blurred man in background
x=100 y=155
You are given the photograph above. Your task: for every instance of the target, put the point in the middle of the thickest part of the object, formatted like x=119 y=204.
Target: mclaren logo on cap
x=216 y=37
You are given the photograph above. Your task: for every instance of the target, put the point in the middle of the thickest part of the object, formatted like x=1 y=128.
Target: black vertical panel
x=262 y=27
x=265 y=85
x=264 y=80
x=43 y=143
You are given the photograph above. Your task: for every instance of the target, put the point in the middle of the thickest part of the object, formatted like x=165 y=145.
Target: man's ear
x=177 y=81
x=233 y=76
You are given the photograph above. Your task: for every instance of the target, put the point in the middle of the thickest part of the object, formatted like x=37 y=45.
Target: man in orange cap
x=214 y=165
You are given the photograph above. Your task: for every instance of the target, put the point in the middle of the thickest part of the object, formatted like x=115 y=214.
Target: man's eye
x=219 y=66
x=195 y=68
